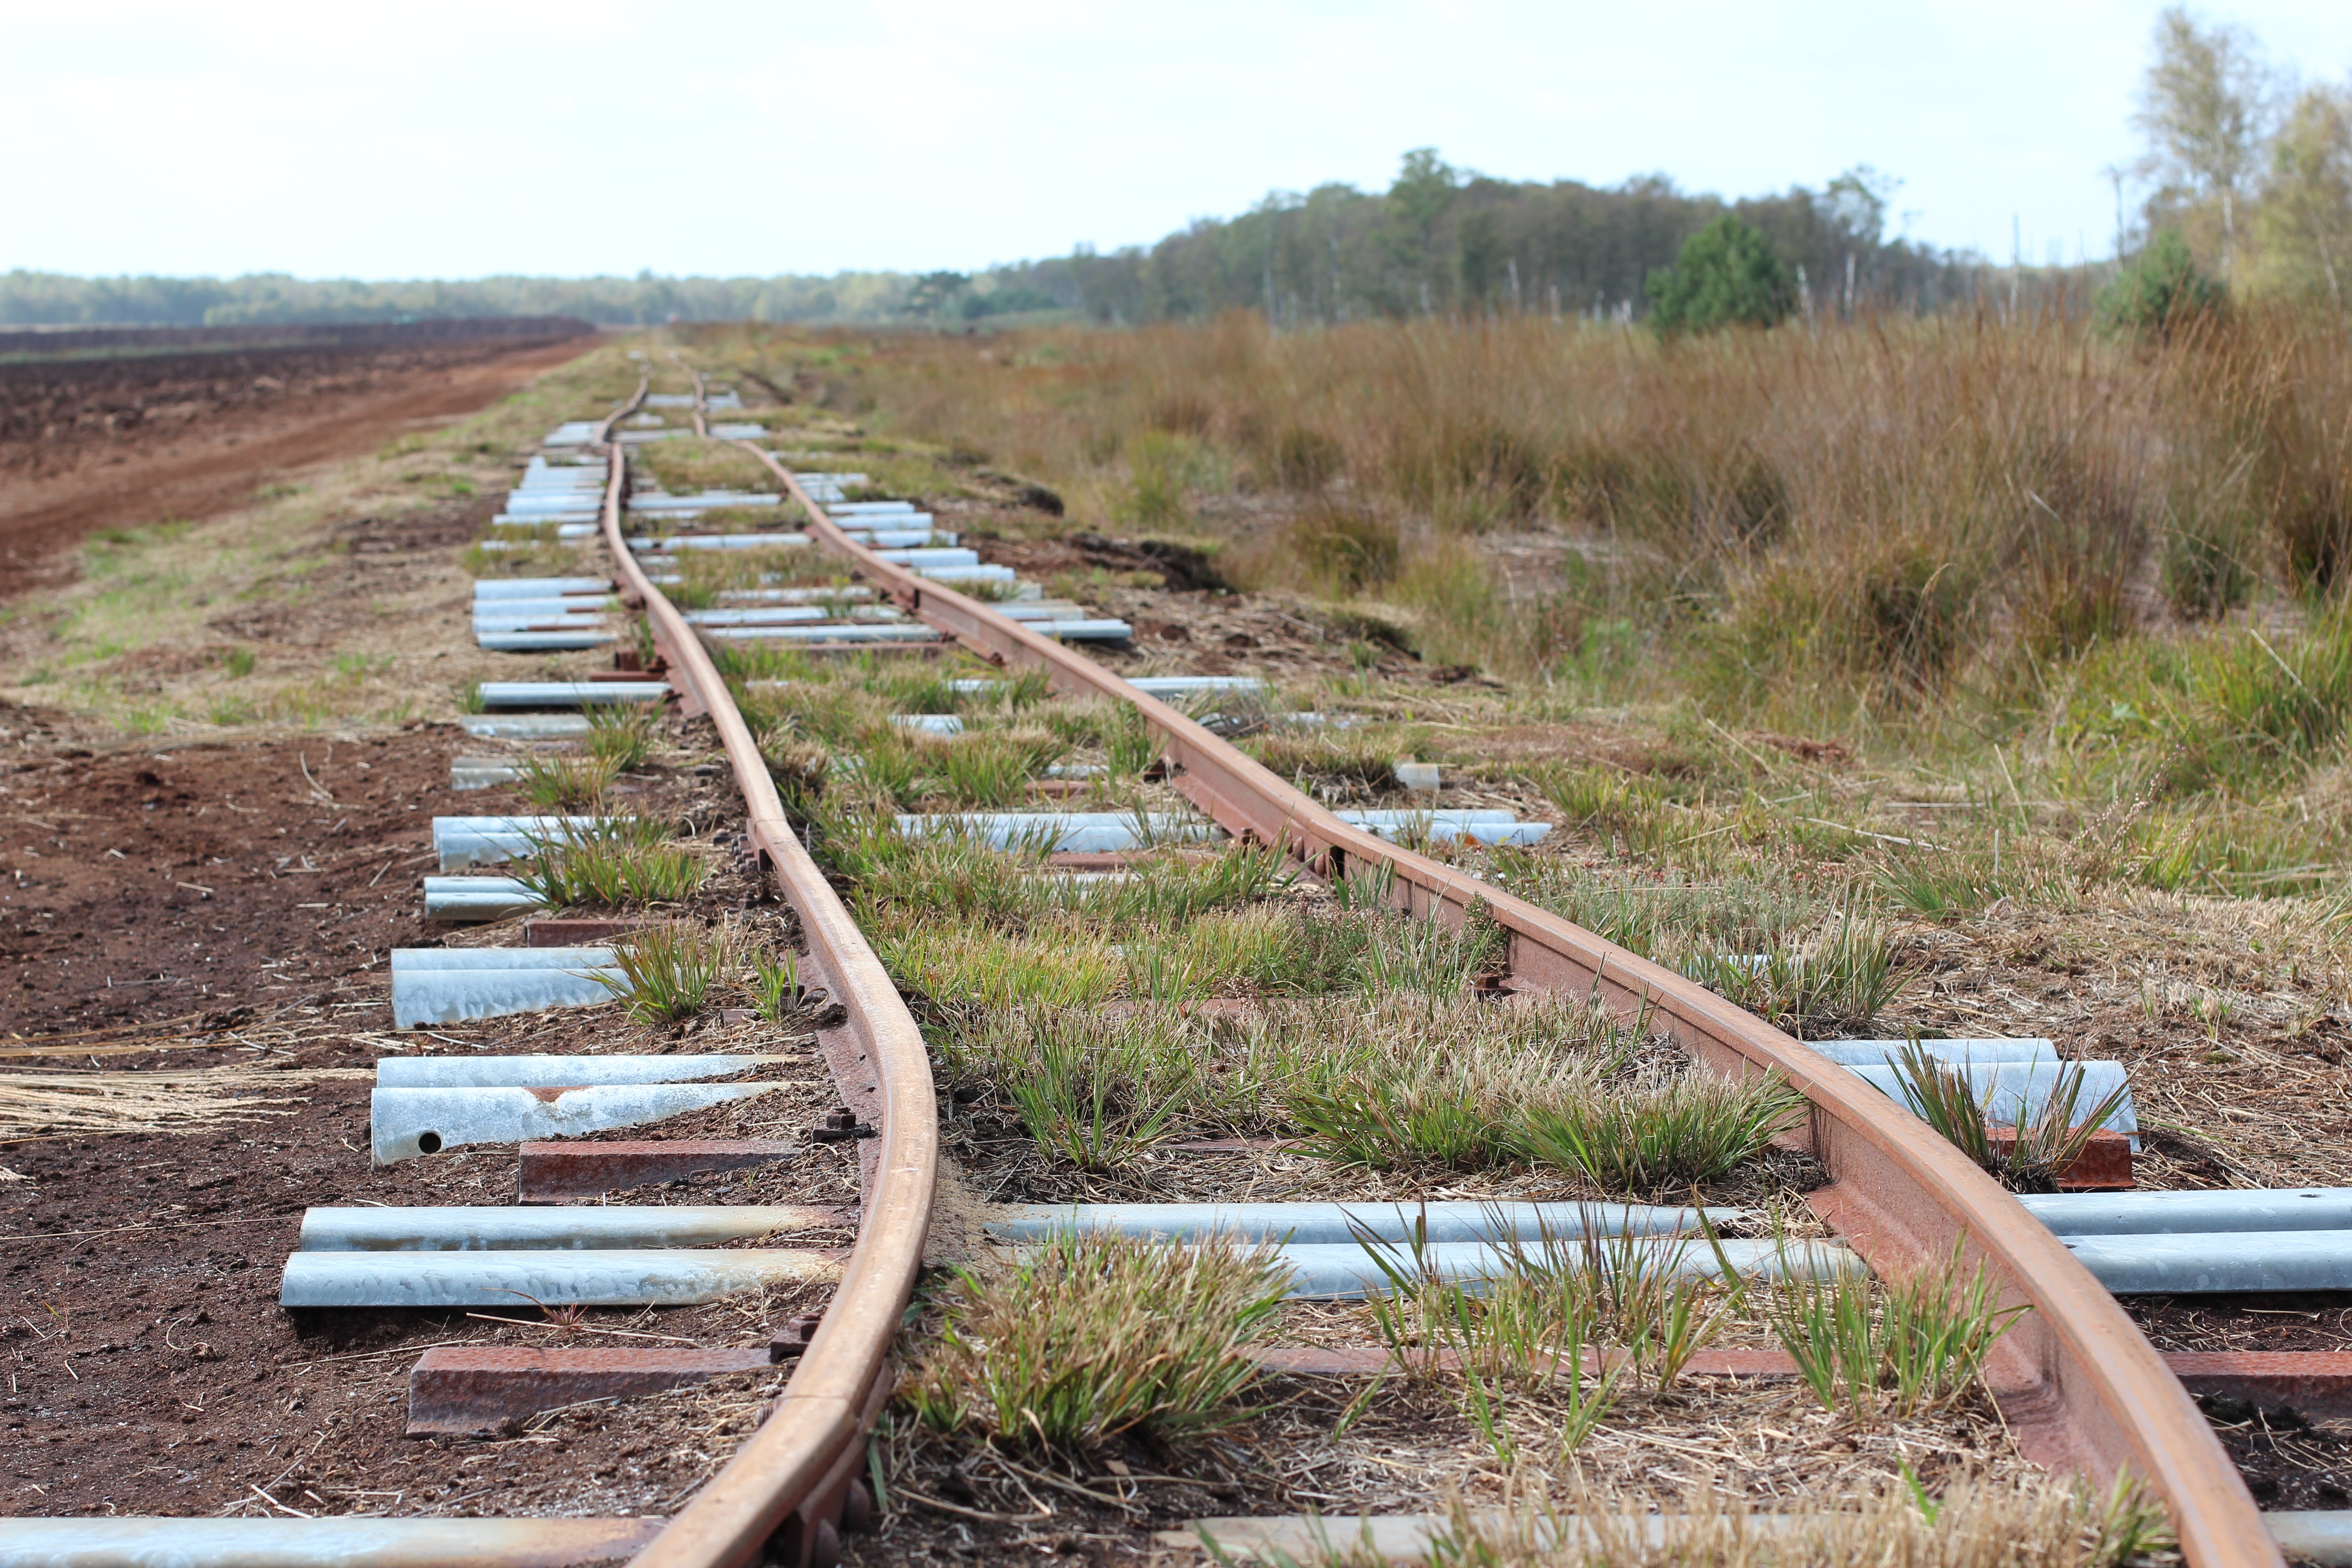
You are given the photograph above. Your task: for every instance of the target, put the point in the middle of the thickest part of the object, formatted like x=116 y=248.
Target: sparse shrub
x=2160 y=292
x=1725 y=275
x=1306 y=459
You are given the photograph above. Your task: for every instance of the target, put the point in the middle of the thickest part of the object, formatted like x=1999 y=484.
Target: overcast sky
x=460 y=138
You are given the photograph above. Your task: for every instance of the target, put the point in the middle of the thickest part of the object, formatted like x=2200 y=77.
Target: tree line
x=2246 y=180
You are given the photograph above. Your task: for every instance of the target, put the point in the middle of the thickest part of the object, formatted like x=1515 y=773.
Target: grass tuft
x=2037 y=1150
x=1896 y=1350
x=619 y=866
x=668 y=971
x=566 y=782
x=1089 y=1339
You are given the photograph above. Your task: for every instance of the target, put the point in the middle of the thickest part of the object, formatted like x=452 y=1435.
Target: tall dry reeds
x=1817 y=524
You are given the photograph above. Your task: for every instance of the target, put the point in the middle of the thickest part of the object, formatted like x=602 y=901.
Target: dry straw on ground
x=78 y=1104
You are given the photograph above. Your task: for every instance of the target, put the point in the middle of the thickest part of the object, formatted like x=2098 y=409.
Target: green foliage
x=1916 y=1344
x=2160 y=292
x=621 y=734
x=1663 y=1130
x=668 y=971
x=615 y=864
x=566 y=782
x=2037 y=1148
x=1088 y=1338
x=1727 y=275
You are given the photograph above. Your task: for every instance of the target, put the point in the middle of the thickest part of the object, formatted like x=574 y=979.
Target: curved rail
x=2080 y=1384
x=797 y=1465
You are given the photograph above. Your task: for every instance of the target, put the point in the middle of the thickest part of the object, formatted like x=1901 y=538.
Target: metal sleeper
x=648 y=1277
x=403 y=1123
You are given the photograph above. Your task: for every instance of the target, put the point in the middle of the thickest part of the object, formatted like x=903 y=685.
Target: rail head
x=836 y=1389
x=1906 y=1196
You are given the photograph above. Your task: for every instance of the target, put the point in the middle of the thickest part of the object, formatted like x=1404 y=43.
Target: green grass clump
x=899 y=877
x=617 y=865
x=1094 y=1094
x=1347 y=763
x=1449 y=1088
x=1095 y=1090
x=1088 y=1340
x=1837 y=980
x=982 y=769
x=1911 y=1346
x=1657 y=1130
x=566 y=782
x=1258 y=950
x=952 y=964
x=668 y=971
x=2038 y=1148
x=1554 y=1082
x=621 y=734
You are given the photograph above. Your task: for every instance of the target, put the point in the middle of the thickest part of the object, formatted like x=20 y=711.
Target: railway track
x=2076 y=1383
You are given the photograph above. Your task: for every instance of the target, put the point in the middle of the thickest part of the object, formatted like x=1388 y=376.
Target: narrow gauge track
x=2087 y=1388
x=2075 y=1379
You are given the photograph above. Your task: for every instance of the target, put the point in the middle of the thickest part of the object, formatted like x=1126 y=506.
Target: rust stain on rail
x=790 y=1475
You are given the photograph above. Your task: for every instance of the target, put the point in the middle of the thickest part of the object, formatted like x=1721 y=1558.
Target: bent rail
x=806 y=1451
x=2080 y=1382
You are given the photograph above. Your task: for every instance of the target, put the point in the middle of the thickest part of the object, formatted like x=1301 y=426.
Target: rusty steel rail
x=2078 y=1382
x=791 y=1473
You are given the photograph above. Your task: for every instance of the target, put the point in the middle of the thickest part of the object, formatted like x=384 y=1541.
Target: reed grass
x=2034 y=523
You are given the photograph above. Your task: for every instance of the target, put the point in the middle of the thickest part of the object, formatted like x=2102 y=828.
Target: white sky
x=460 y=138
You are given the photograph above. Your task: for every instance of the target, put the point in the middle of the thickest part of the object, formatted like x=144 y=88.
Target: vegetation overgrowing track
x=805 y=1458
x=2078 y=1386
x=2100 y=1398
